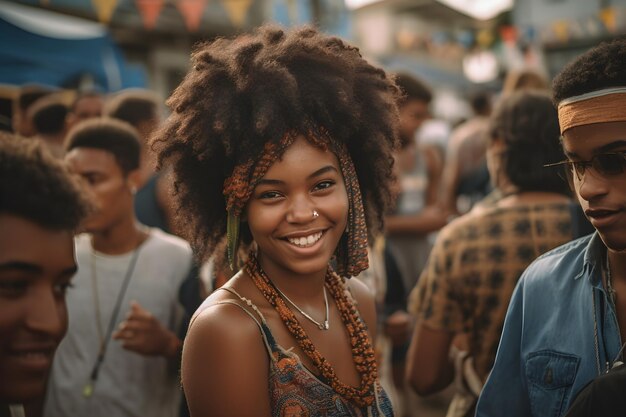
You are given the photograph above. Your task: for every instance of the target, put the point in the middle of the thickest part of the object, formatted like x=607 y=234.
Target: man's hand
x=398 y=327
x=142 y=333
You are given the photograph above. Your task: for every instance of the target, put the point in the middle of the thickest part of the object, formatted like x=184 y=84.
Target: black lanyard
x=88 y=389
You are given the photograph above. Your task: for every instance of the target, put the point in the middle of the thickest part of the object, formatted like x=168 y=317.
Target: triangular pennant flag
x=192 y=12
x=607 y=16
x=237 y=10
x=292 y=11
x=150 y=11
x=104 y=9
x=561 y=30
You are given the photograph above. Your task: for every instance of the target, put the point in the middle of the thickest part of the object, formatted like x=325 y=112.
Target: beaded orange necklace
x=362 y=351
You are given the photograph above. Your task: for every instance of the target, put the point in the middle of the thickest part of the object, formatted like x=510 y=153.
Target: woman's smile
x=305 y=241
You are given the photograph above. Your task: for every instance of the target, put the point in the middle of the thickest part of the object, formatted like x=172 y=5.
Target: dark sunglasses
x=607 y=164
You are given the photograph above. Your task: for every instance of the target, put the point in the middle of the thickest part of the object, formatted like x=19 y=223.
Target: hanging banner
x=292 y=11
x=608 y=18
x=508 y=34
x=150 y=11
x=104 y=9
x=237 y=11
x=192 y=11
x=561 y=30
x=485 y=38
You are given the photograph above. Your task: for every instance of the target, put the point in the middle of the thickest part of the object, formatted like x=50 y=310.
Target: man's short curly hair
x=241 y=93
x=134 y=106
x=114 y=136
x=412 y=88
x=601 y=67
x=37 y=187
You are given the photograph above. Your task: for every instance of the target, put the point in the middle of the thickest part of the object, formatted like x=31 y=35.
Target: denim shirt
x=548 y=351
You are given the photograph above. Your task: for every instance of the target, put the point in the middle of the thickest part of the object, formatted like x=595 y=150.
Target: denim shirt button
x=548 y=377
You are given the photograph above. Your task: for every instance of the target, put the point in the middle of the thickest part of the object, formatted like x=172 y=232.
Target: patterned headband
x=600 y=106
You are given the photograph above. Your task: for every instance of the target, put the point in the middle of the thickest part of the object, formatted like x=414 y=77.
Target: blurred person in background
x=153 y=207
x=141 y=108
x=566 y=322
x=419 y=169
x=121 y=353
x=478 y=258
x=5 y=124
x=41 y=206
x=465 y=174
x=516 y=80
x=522 y=80
x=416 y=213
x=26 y=96
x=48 y=116
x=86 y=104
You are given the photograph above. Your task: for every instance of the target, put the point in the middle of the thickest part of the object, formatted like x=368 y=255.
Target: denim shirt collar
x=593 y=258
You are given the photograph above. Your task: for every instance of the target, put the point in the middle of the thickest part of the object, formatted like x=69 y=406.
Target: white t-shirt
x=128 y=384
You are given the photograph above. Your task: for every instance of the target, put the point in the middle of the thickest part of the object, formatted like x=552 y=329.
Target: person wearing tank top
x=281 y=145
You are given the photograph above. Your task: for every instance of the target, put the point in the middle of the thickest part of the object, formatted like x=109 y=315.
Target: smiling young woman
x=283 y=141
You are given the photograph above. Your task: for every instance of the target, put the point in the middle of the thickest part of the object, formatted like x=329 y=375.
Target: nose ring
x=315 y=214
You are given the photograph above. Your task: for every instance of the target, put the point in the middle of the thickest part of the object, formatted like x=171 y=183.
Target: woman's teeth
x=305 y=240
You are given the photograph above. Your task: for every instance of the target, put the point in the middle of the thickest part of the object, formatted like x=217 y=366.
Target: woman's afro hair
x=241 y=93
x=601 y=67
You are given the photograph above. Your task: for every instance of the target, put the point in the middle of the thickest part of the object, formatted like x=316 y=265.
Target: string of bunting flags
x=191 y=11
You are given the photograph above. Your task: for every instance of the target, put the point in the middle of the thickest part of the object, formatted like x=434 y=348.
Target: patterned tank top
x=294 y=390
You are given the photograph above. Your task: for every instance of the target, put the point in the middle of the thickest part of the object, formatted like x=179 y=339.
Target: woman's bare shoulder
x=223 y=355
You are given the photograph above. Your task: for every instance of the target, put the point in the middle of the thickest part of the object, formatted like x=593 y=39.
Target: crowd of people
x=283 y=244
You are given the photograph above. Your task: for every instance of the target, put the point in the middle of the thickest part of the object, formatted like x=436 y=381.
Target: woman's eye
x=324 y=185
x=268 y=195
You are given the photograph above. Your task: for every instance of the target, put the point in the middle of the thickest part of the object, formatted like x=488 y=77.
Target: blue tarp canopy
x=38 y=46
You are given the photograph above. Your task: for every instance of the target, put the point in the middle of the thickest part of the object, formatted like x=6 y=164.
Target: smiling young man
x=40 y=208
x=119 y=356
x=567 y=320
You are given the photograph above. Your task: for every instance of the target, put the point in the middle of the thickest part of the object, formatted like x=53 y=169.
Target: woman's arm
x=225 y=365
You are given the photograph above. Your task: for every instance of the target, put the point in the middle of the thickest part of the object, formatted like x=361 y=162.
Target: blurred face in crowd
x=22 y=124
x=85 y=108
x=601 y=187
x=111 y=189
x=413 y=113
x=280 y=212
x=36 y=266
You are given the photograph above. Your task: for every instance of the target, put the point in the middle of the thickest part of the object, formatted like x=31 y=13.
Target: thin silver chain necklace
x=322 y=326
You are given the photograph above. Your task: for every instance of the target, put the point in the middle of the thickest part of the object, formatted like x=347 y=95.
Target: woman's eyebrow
x=323 y=170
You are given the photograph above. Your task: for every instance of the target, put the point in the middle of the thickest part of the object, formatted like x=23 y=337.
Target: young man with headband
x=567 y=318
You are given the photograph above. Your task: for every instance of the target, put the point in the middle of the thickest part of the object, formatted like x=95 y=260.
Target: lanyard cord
x=104 y=341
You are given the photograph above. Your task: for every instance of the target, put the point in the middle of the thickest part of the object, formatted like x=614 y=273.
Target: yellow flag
x=561 y=30
x=104 y=9
x=237 y=10
x=607 y=16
